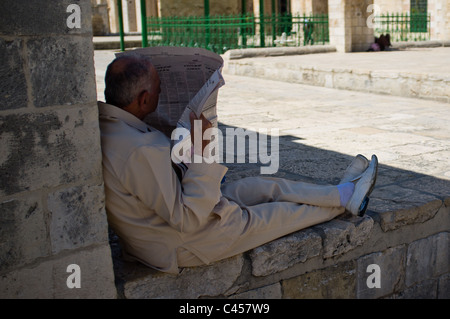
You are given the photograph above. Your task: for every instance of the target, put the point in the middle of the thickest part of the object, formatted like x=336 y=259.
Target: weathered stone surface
x=447 y=202
x=428 y=257
x=50 y=143
x=392 y=272
x=212 y=280
x=49 y=149
x=424 y=290
x=24 y=17
x=33 y=282
x=266 y=292
x=61 y=71
x=78 y=217
x=48 y=279
x=315 y=163
x=340 y=236
x=97 y=276
x=13 y=87
x=23 y=232
x=431 y=185
x=284 y=252
x=444 y=287
x=398 y=206
x=337 y=281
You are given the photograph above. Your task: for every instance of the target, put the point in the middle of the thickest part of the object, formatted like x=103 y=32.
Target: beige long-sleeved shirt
x=151 y=210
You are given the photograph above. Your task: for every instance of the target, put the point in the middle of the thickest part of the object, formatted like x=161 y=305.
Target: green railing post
x=223 y=32
x=274 y=27
x=144 y=24
x=119 y=11
x=262 y=36
x=206 y=20
x=243 y=21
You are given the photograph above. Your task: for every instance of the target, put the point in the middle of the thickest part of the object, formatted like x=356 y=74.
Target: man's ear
x=143 y=98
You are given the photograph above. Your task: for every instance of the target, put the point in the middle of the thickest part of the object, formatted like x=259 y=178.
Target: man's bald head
x=126 y=77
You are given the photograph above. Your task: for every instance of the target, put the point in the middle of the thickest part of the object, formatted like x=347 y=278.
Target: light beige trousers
x=274 y=207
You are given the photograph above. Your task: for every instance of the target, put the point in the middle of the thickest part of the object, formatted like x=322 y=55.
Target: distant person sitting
x=168 y=220
x=381 y=44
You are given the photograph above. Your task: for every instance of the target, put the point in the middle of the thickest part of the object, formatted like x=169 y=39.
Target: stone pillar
x=152 y=8
x=439 y=24
x=125 y=16
x=113 y=16
x=267 y=7
x=138 y=15
x=339 y=25
x=349 y=30
x=133 y=15
x=52 y=211
x=302 y=7
x=320 y=7
x=100 y=18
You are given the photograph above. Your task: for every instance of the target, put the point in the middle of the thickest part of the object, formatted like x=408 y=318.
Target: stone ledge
x=276 y=51
x=332 y=251
x=284 y=252
x=431 y=86
x=236 y=54
x=421 y=44
x=398 y=206
x=139 y=282
x=340 y=236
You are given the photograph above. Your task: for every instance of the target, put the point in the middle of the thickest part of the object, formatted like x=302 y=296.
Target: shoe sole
x=365 y=203
x=363 y=207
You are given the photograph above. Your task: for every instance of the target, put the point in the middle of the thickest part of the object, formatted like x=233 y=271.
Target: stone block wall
x=389 y=6
x=51 y=189
x=331 y=260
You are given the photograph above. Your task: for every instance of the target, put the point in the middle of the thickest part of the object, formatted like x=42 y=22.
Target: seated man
x=169 y=216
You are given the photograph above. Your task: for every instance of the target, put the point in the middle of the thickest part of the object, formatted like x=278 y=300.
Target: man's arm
x=186 y=206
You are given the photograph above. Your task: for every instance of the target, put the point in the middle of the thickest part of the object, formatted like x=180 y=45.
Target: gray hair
x=124 y=84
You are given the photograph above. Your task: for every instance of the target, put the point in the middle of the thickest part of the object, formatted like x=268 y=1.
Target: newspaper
x=190 y=80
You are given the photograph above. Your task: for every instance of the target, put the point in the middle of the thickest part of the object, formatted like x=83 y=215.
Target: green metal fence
x=221 y=33
x=404 y=26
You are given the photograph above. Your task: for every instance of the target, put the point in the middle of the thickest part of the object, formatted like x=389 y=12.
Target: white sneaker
x=358 y=165
x=365 y=183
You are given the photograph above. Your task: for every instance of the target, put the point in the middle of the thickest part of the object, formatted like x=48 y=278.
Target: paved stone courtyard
x=320 y=130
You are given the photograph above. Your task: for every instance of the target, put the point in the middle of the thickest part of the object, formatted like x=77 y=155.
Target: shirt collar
x=109 y=110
